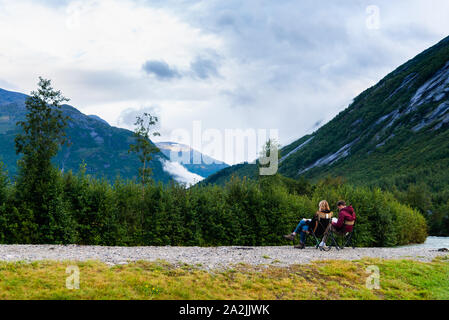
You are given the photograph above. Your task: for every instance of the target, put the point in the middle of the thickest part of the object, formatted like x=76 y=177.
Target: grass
x=399 y=279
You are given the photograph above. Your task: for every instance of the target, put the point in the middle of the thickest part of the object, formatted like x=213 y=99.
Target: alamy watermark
x=373 y=17
x=373 y=280
x=72 y=282
x=229 y=145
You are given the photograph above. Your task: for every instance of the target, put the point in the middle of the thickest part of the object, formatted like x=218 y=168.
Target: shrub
x=381 y=220
x=90 y=211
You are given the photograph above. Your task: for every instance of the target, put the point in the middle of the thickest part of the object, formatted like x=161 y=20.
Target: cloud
x=93 y=50
x=160 y=69
x=232 y=64
x=128 y=116
x=200 y=68
x=293 y=63
x=110 y=85
x=7 y=85
x=180 y=173
x=204 y=68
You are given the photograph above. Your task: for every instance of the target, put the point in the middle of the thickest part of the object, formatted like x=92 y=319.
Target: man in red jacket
x=345 y=223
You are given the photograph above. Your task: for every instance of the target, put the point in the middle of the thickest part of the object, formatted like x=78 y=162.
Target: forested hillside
x=393 y=135
x=103 y=148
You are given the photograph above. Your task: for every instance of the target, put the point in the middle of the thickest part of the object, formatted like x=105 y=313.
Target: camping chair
x=347 y=239
x=317 y=227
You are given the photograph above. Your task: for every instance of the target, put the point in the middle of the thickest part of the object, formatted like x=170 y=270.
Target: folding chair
x=318 y=227
x=347 y=239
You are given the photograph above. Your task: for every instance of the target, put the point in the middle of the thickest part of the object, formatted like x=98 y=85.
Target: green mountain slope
x=393 y=135
x=392 y=129
x=396 y=127
x=102 y=147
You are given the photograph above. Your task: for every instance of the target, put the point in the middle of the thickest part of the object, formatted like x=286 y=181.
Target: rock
x=207 y=258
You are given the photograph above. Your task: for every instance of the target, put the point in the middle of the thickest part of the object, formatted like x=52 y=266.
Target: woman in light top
x=306 y=225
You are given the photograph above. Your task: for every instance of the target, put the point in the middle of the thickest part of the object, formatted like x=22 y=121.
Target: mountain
x=192 y=160
x=98 y=118
x=395 y=132
x=102 y=147
x=249 y=170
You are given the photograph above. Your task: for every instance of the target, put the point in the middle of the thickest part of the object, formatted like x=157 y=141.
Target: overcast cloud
x=287 y=65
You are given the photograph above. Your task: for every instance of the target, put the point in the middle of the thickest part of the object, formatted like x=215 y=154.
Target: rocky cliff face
x=392 y=127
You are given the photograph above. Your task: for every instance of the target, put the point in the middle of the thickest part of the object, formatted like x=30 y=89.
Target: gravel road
x=207 y=258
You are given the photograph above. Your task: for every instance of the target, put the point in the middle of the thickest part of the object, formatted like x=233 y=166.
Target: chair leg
x=317 y=241
x=335 y=242
x=350 y=241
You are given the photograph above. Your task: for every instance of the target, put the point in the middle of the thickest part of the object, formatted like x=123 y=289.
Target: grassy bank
x=399 y=279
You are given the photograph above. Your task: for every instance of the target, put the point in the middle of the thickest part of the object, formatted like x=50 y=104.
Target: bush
x=89 y=211
x=381 y=220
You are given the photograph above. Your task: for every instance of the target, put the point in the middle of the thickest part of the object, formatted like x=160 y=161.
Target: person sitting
x=305 y=225
x=344 y=224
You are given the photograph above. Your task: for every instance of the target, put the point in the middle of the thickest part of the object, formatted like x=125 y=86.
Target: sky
x=213 y=66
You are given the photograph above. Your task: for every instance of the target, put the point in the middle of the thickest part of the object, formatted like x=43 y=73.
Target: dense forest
x=425 y=189
x=47 y=205
x=394 y=135
x=84 y=210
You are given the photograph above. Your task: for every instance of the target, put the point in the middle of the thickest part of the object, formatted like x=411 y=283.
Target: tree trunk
x=143 y=179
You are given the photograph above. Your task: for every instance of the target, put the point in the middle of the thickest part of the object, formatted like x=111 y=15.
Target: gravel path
x=208 y=258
